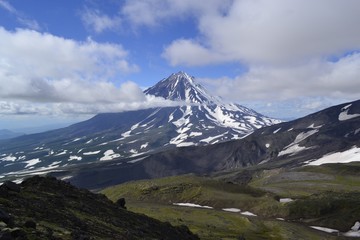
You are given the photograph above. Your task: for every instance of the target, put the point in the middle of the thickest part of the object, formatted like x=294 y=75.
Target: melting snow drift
x=351 y=155
x=236 y=210
x=191 y=205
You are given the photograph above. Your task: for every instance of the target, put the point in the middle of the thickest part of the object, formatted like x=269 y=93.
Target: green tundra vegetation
x=327 y=196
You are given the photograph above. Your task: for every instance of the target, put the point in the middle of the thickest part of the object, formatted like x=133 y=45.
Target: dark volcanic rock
x=59 y=210
x=11 y=186
x=121 y=203
x=30 y=224
x=5 y=217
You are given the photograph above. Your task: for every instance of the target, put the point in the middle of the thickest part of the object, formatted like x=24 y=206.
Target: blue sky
x=64 y=61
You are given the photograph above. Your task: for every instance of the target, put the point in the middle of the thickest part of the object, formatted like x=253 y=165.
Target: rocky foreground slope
x=46 y=208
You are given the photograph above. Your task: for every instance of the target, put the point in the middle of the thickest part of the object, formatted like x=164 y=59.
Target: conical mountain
x=204 y=107
x=181 y=87
x=200 y=120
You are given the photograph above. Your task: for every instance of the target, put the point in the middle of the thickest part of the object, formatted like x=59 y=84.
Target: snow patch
x=71 y=158
x=55 y=164
x=109 y=155
x=91 y=153
x=277 y=130
x=171 y=117
x=18 y=181
x=9 y=158
x=136 y=160
x=294 y=148
x=346 y=107
x=350 y=155
x=247 y=213
x=61 y=153
x=302 y=136
x=343 y=116
x=126 y=134
x=185 y=144
x=235 y=210
x=355 y=231
x=324 y=229
x=356 y=226
x=192 y=205
x=32 y=162
x=357 y=131
x=267 y=145
x=143 y=146
x=133 y=151
x=312 y=126
x=285 y=200
x=195 y=134
x=66 y=178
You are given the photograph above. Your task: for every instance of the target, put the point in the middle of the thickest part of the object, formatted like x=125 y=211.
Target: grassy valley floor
x=319 y=200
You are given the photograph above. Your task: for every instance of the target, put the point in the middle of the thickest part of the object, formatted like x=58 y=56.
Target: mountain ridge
x=133 y=134
x=315 y=139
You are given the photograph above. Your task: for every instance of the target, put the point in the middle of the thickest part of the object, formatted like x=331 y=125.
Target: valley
x=267 y=206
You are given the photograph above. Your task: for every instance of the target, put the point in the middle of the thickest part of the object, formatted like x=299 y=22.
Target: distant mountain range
x=201 y=119
x=329 y=136
x=7 y=134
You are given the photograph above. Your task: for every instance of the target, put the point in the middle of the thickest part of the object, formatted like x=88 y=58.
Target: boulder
x=5 y=217
x=30 y=224
x=121 y=203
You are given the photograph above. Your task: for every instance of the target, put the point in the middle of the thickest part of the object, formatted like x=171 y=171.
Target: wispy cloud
x=99 y=22
x=21 y=18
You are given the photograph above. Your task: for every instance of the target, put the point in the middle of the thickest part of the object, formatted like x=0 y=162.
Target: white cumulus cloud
x=99 y=22
x=316 y=78
x=274 y=31
x=45 y=74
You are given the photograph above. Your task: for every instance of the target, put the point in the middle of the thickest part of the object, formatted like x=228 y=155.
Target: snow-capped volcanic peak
x=181 y=87
x=204 y=112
